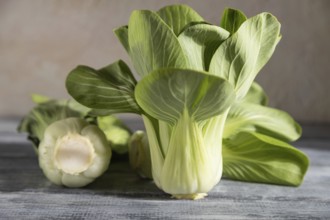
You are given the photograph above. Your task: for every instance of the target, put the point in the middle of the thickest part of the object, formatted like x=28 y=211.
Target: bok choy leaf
x=232 y=19
x=255 y=157
x=177 y=17
x=244 y=53
x=110 y=88
x=153 y=45
x=246 y=116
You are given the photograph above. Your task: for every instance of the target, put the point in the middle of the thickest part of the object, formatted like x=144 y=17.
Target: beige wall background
x=41 y=41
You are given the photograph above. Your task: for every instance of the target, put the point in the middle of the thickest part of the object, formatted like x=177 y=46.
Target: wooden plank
x=119 y=194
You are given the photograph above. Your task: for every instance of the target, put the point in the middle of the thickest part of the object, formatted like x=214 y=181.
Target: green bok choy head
x=191 y=74
x=71 y=150
x=45 y=113
x=255 y=144
x=50 y=110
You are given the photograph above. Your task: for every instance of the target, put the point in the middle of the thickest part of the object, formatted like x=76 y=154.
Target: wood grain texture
x=119 y=194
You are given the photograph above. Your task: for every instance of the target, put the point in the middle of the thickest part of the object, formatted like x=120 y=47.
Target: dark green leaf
x=122 y=35
x=110 y=88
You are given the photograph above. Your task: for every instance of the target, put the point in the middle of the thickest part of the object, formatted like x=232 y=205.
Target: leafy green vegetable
x=116 y=133
x=153 y=45
x=111 y=87
x=38 y=99
x=247 y=116
x=245 y=52
x=259 y=158
x=168 y=94
x=251 y=156
x=122 y=35
x=193 y=75
x=184 y=100
x=50 y=110
x=177 y=17
x=139 y=154
x=199 y=42
x=44 y=114
x=232 y=19
x=256 y=95
x=73 y=153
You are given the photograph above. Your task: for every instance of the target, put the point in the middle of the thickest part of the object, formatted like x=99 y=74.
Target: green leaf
x=256 y=95
x=246 y=116
x=242 y=55
x=199 y=43
x=38 y=99
x=232 y=19
x=153 y=44
x=178 y=16
x=110 y=88
x=71 y=104
x=166 y=94
x=99 y=112
x=116 y=132
x=44 y=114
x=122 y=35
x=76 y=106
x=255 y=157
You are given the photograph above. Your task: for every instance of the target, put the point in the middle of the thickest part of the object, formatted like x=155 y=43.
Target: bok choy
x=71 y=150
x=73 y=153
x=255 y=144
x=194 y=77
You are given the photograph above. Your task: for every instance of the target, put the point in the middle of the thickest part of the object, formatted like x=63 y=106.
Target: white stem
x=74 y=154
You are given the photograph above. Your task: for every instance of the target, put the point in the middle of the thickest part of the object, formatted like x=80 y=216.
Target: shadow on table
x=121 y=181
x=20 y=172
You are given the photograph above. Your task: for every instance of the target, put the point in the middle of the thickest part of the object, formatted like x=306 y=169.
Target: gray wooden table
x=119 y=194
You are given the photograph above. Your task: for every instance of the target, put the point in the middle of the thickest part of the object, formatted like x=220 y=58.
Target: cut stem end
x=194 y=196
x=74 y=154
